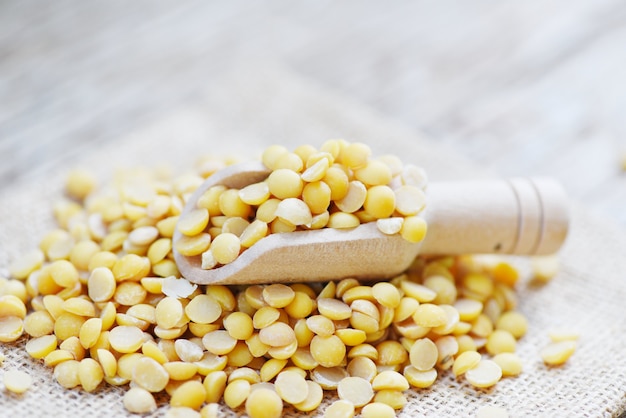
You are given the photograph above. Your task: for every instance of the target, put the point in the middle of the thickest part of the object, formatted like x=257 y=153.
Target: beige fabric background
x=244 y=111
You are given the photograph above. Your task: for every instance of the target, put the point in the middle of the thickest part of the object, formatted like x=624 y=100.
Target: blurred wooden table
x=534 y=87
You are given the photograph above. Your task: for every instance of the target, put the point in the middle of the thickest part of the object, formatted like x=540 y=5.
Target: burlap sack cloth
x=244 y=112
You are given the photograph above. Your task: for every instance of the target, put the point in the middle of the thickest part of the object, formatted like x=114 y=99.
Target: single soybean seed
x=417 y=291
x=420 y=378
x=291 y=387
x=328 y=377
x=423 y=354
x=468 y=309
x=317 y=196
x=410 y=200
x=90 y=374
x=285 y=183
x=386 y=294
x=245 y=373
x=188 y=351
x=143 y=236
x=557 y=353
x=334 y=309
x=301 y=306
x=23 y=266
x=191 y=394
x=377 y=410
x=393 y=398
x=339 y=409
x=82 y=252
x=291 y=161
x=374 y=173
x=355 y=390
x=238 y=325
x=203 y=309
x=390 y=226
x=413 y=229
x=294 y=211
x=210 y=410
x=303 y=359
x=278 y=295
x=328 y=351
x=101 y=284
x=513 y=322
x=391 y=352
x=126 y=339
x=316 y=171
x=265 y=316
x=465 y=361
x=354 y=198
x=266 y=212
x=236 y=393
x=444 y=287
x=362 y=367
x=64 y=273
x=107 y=361
x=283 y=352
x=57 y=356
x=491 y=411
x=40 y=347
x=500 y=341
x=90 y=332
x=351 y=337
x=159 y=249
x=555 y=335
x=314 y=397
x=430 y=315
x=73 y=345
x=271 y=368
x=131 y=267
x=235 y=225
x=215 y=383
x=225 y=248
x=277 y=334
x=230 y=204
x=180 y=370
x=255 y=194
x=355 y=155
x=264 y=403
x=485 y=374
x=271 y=154
x=11 y=305
x=380 y=202
x=253 y=233
x=390 y=379
x=510 y=363
x=194 y=245
x=169 y=312
x=320 y=325
x=338 y=181
x=139 y=401
x=219 y=342
x=17 y=381
x=544 y=268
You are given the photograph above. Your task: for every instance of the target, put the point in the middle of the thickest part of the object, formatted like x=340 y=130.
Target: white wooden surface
x=533 y=87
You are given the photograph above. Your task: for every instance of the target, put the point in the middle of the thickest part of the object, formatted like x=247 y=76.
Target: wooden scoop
x=517 y=216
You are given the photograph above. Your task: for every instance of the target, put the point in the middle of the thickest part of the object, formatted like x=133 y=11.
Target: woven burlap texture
x=244 y=111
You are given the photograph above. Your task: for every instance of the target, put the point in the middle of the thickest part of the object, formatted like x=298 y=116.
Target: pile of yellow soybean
x=101 y=302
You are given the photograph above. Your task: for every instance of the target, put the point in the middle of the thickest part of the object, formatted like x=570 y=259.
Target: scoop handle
x=524 y=216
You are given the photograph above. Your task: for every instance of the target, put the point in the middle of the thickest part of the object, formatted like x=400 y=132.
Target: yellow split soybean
x=17 y=381
x=92 y=301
